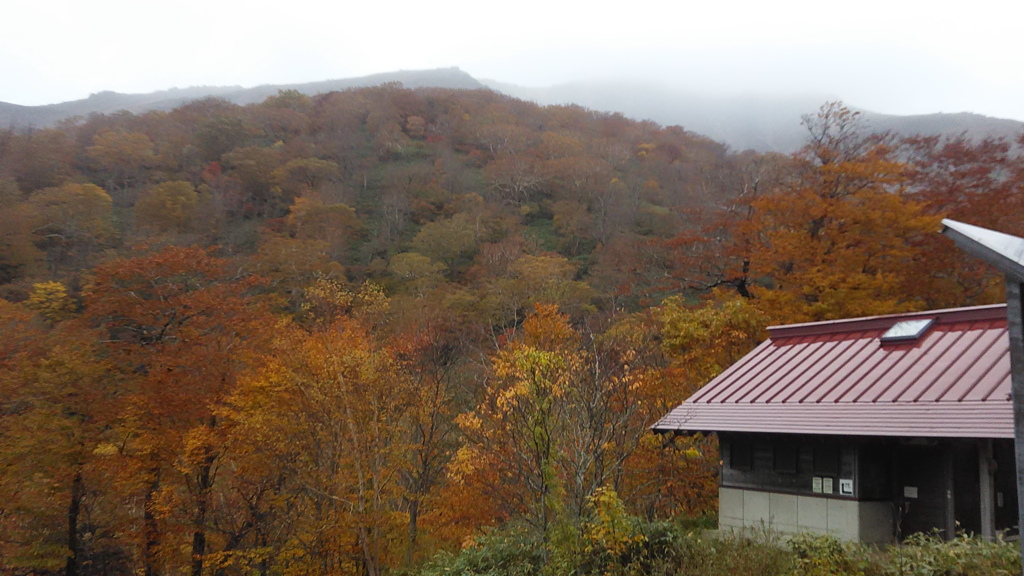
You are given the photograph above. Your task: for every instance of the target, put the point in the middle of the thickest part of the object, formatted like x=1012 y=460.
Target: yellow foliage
x=329 y=410
x=558 y=415
x=51 y=301
x=74 y=212
x=167 y=206
x=327 y=299
x=702 y=341
x=611 y=529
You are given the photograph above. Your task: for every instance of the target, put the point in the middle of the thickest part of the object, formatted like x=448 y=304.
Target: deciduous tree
x=70 y=223
x=169 y=206
x=330 y=406
x=558 y=420
x=181 y=327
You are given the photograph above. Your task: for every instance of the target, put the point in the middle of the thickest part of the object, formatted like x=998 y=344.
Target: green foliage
x=616 y=544
x=825 y=555
x=745 y=553
x=510 y=551
x=929 y=555
x=542 y=232
x=448 y=241
x=644 y=548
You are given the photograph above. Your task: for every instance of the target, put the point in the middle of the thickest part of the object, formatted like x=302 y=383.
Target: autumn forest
x=347 y=334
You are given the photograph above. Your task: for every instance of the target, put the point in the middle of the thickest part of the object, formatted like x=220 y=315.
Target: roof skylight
x=907 y=330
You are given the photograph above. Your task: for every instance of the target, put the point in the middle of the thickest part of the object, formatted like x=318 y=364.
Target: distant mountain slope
x=452 y=78
x=109 y=102
x=106 y=103
x=975 y=125
x=750 y=121
x=743 y=122
x=757 y=122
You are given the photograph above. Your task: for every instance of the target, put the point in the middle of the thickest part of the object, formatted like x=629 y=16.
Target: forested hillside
x=342 y=334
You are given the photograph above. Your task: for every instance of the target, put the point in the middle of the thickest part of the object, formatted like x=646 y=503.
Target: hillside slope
x=744 y=121
x=17 y=116
x=747 y=121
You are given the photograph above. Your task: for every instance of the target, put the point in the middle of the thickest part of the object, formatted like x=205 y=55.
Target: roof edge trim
x=1003 y=251
x=988 y=312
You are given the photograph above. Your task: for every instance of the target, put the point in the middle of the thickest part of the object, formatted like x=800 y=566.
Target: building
x=868 y=429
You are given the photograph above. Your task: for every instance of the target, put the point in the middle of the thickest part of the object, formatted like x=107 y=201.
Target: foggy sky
x=893 y=56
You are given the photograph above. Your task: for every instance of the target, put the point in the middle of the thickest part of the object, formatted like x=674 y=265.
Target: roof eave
x=1003 y=251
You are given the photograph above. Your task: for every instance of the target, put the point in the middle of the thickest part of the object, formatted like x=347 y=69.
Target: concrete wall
x=843 y=518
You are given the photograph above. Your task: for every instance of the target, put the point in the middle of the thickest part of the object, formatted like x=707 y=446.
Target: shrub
x=508 y=551
x=825 y=555
x=613 y=544
x=965 y=555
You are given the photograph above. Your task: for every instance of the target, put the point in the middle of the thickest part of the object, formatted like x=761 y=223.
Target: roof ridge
x=986 y=312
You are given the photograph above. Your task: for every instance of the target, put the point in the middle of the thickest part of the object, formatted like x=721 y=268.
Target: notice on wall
x=816 y=484
x=826 y=485
x=910 y=491
x=846 y=486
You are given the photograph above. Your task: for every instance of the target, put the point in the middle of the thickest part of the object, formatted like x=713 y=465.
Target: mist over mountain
x=746 y=121
x=742 y=121
x=18 y=116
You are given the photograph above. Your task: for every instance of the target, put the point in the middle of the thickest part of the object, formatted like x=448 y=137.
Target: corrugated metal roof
x=840 y=378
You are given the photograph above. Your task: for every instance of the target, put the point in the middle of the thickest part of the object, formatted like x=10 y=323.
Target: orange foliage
x=219 y=422
x=180 y=330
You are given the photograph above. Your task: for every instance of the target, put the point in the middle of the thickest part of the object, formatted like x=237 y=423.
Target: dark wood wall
x=916 y=475
x=790 y=463
x=1005 y=485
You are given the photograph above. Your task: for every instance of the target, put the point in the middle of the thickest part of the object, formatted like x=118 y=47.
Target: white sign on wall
x=846 y=486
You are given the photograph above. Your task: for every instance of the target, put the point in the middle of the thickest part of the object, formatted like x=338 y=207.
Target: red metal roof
x=840 y=378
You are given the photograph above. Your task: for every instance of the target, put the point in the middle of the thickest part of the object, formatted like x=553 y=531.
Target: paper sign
x=826 y=485
x=846 y=486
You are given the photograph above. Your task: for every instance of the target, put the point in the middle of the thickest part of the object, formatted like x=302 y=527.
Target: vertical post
x=897 y=492
x=947 y=472
x=1015 y=321
x=987 y=493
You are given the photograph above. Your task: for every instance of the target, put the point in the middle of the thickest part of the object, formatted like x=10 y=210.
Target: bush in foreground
x=641 y=548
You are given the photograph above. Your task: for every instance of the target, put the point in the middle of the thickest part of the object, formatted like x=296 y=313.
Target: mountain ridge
x=741 y=121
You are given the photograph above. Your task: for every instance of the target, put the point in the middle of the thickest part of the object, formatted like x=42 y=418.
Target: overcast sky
x=890 y=56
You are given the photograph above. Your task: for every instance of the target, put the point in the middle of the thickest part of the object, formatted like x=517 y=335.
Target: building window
x=786 y=457
x=741 y=456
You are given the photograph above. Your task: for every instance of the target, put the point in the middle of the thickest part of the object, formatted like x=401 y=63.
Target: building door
x=924 y=490
x=967 y=488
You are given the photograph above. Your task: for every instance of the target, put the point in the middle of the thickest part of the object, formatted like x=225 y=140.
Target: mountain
x=975 y=125
x=108 y=102
x=744 y=121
